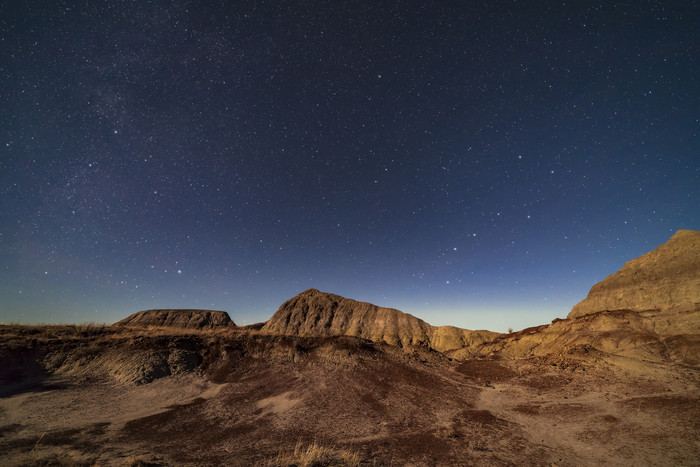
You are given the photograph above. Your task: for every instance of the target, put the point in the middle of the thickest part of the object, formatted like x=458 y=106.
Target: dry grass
x=45 y=332
x=53 y=456
x=62 y=458
x=54 y=330
x=316 y=455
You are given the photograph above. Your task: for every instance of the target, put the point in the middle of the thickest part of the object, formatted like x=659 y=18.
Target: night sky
x=480 y=164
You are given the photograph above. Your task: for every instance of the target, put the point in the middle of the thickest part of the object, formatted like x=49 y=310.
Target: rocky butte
x=179 y=318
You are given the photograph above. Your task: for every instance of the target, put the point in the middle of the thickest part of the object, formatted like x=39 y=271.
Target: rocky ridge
x=315 y=313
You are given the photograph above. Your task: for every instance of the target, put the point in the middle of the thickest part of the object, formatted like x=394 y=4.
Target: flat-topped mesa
x=185 y=319
x=315 y=313
x=667 y=277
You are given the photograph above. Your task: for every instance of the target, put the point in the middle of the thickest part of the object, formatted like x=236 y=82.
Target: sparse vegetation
x=41 y=455
x=44 y=332
x=61 y=458
x=316 y=455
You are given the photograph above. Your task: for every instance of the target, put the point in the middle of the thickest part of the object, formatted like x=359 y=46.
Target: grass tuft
x=316 y=455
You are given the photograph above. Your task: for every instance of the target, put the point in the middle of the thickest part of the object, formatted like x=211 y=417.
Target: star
x=262 y=155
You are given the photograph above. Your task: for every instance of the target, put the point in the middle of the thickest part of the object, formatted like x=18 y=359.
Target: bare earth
x=250 y=399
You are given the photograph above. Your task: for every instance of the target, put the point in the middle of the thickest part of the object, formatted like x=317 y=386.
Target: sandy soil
x=70 y=419
x=609 y=416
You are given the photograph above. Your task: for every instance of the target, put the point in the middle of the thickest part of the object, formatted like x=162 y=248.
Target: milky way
x=473 y=164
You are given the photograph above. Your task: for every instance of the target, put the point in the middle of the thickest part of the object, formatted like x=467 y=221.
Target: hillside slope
x=91 y=395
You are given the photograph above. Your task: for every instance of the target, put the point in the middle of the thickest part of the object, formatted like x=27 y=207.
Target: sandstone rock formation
x=186 y=319
x=647 y=311
x=654 y=336
x=667 y=277
x=314 y=313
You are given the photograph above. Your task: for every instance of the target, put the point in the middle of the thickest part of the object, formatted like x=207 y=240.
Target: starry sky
x=480 y=164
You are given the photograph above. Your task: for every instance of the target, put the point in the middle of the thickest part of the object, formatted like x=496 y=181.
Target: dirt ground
x=252 y=400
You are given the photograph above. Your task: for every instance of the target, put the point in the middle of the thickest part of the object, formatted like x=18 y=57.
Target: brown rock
x=668 y=277
x=314 y=313
x=186 y=319
x=653 y=336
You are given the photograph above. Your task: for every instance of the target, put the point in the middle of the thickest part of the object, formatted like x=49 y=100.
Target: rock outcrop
x=647 y=311
x=665 y=278
x=314 y=313
x=654 y=336
x=185 y=319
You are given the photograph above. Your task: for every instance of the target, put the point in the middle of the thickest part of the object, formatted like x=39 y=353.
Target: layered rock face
x=667 y=277
x=186 y=319
x=314 y=313
x=671 y=335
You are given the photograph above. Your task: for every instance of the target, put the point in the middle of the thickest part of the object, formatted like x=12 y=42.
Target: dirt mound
x=447 y=338
x=315 y=313
x=664 y=278
x=185 y=319
x=385 y=404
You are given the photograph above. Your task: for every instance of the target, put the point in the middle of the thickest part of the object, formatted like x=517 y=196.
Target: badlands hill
x=185 y=319
x=664 y=278
x=647 y=311
x=319 y=314
x=187 y=387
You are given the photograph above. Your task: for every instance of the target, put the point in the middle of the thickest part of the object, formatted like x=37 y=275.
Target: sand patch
x=101 y=402
x=278 y=405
